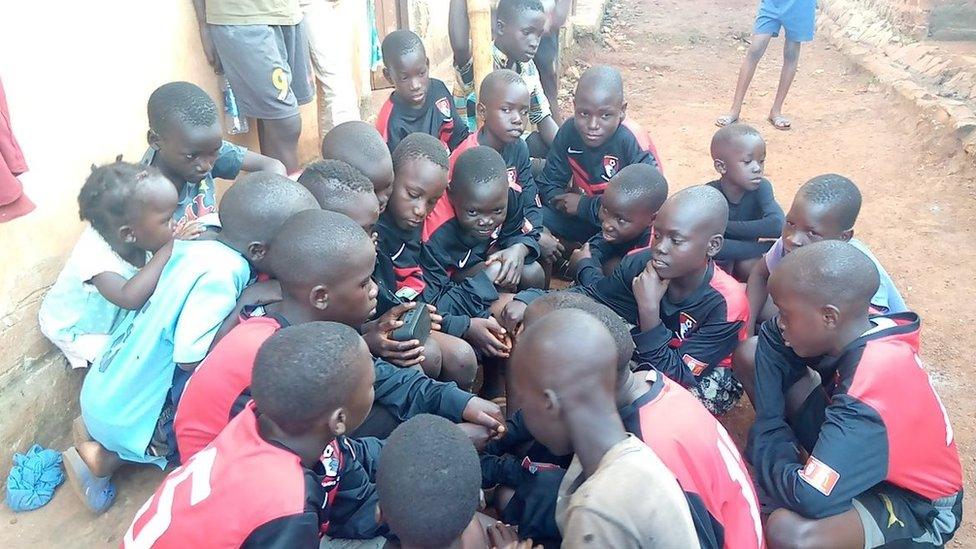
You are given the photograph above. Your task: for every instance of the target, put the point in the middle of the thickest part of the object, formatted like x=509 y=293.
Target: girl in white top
x=129 y=210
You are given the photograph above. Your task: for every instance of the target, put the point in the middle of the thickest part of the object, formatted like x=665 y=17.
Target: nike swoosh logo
x=400 y=251
x=573 y=151
x=464 y=261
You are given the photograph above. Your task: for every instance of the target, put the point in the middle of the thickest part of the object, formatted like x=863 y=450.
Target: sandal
x=97 y=493
x=780 y=122
x=725 y=120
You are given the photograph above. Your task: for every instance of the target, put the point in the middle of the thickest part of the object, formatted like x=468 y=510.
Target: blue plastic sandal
x=98 y=493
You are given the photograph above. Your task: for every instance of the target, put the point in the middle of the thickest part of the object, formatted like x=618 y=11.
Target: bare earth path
x=679 y=59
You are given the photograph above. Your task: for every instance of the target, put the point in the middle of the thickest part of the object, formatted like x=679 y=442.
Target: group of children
x=262 y=346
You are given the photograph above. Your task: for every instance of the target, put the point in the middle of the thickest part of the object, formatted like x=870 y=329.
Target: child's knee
x=459 y=363
x=791 y=52
x=433 y=359
x=786 y=529
x=758 y=47
x=533 y=276
x=744 y=358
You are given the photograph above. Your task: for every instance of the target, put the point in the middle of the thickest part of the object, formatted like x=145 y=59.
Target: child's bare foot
x=779 y=121
x=96 y=492
x=727 y=119
x=79 y=433
x=100 y=461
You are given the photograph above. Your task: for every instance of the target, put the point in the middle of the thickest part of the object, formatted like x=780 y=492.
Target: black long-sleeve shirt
x=757 y=215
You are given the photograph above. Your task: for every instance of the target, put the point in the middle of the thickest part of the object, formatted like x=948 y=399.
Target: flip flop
x=780 y=122
x=97 y=493
x=725 y=120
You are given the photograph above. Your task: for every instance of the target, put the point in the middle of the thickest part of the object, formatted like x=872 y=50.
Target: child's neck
x=178 y=181
x=132 y=254
x=733 y=193
x=850 y=332
x=309 y=446
x=683 y=286
x=489 y=139
x=594 y=429
x=291 y=310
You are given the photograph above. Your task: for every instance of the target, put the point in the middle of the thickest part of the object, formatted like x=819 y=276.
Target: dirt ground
x=679 y=59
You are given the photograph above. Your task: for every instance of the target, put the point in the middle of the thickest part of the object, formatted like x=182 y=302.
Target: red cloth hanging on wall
x=13 y=202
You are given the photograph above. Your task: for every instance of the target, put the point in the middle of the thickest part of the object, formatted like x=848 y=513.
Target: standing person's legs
x=791 y=57
x=746 y=72
x=268 y=68
x=546 y=61
x=331 y=44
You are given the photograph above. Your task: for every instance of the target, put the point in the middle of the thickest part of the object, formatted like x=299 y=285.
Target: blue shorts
x=796 y=16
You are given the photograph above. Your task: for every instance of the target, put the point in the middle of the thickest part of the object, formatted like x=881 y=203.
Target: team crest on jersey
x=685 y=325
x=512 y=177
x=696 y=366
x=610 y=165
x=819 y=475
x=443 y=105
x=331 y=464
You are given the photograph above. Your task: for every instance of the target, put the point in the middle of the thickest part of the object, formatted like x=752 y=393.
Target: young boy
x=689 y=315
x=362 y=147
x=185 y=144
x=671 y=421
x=128 y=398
x=587 y=152
x=324 y=263
x=429 y=485
x=341 y=188
x=878 y=464
x=519 y=25
x=563 y=371
x=459 y=235
x=283 y=472
x=797 y=17
x=627 y=211
x=502 y=104
x=739 y=153
x=824 y=208
x=418 y=103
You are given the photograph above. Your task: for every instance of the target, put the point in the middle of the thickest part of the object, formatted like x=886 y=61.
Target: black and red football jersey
x=884 y=423
x=245 y=491
x=702 y=456
x=571 y=166
x=402 y=249
x=437 y=117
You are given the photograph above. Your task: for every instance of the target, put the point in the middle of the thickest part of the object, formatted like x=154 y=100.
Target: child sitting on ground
x=563 y=370
x=129 y=396
x=185 y=144
x=358 y=144
x=340 y=188
x=323 y=262
x=418 y=103
x=518 y=28
x=502 y=104
x=690 y=441
x=739 y=154
x=429 y=486
x=129 y=211
x=627 y=210
x=460 y=235
x=851 y=441
x=587 y=152
x=690 y=315
x=283 y=472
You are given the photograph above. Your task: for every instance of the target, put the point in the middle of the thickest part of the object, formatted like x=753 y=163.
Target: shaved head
x=704 y=207
x=313 y=247
x=829 y=272
x=602 y=81
x=477 y=170
x=359 y=144
x=253 y=208
x=498 y=80
x=737 y=134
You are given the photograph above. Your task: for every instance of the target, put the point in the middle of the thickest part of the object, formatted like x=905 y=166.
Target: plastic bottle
x=234 y=122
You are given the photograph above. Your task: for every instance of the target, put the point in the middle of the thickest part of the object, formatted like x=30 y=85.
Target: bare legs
x=791 y=58
x=279 y=139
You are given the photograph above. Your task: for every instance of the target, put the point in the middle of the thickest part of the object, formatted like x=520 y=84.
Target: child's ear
x=480 y=110
x=715 y=245
x=386 y=74
x=847 y=235
x=552 y=402
x=623 y=110
x=256 y=251
x=153 y=138
x=499 y=27
x=719 y=166
x=831 y=316
x=427 y=62
x=378 y=514
x=337 y=421
x=318 y=297
x=127 y=235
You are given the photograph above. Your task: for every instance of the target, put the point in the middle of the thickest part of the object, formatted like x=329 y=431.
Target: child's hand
x=504 y=536
x=488 y=336
x=550 y=246
x=487 y=414
x=377 y=336
x=189 y=231
x=512 y=315
x=479 y=435
x=511 y=261
x=568 y=203
x=649 y=288
x=435 y=318
x=581 y=253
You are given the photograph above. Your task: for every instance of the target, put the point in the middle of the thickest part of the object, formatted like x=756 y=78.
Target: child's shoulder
x=438 y=88
x=206 y=256
x=730 y=291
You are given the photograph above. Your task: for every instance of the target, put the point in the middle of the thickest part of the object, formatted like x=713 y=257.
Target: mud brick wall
x=940 y=19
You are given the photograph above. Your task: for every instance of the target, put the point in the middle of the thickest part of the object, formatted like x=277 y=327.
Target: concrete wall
x=77 y=87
